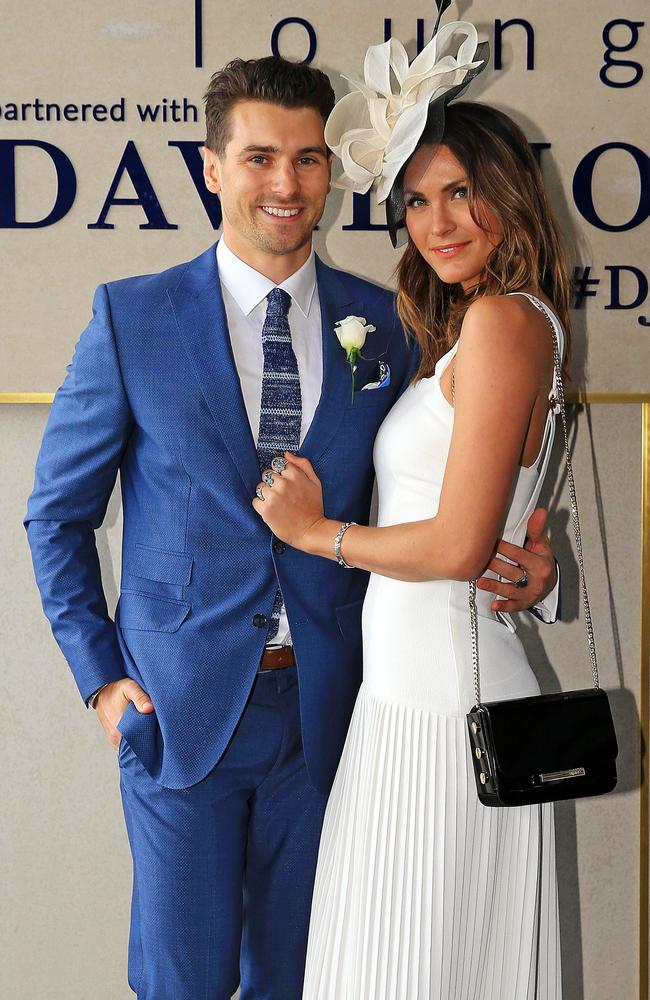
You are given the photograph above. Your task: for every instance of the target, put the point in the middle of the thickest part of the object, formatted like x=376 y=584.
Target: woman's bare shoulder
x=506 y=321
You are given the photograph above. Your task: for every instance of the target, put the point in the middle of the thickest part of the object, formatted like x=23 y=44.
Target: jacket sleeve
x=549 y=610
x=86 y=436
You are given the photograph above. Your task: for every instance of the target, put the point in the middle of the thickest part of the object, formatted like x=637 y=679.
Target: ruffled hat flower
x=375 y=129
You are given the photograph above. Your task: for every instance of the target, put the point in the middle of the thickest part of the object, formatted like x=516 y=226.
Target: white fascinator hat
x=375 y=129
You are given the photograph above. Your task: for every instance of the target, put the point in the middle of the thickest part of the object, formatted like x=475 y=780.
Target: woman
x=421 y=892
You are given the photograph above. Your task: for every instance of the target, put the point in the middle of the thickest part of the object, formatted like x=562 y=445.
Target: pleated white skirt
x=421 y=892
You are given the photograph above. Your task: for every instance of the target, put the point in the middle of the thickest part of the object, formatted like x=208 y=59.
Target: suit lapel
x=201 y=318
x=200 y=315
x=335 y=302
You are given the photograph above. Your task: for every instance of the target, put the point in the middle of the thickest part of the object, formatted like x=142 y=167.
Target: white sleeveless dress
x=421 y=892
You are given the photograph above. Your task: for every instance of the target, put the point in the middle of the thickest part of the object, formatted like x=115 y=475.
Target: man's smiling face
x=272 y=180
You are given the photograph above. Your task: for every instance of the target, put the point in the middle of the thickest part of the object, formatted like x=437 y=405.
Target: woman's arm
x=502 y=365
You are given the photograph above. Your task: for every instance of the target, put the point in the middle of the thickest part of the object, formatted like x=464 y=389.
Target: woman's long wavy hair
x=504 y=176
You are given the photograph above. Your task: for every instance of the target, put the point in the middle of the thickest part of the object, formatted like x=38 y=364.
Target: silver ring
x=523 y=582
x=278 y=464
x=259 y=494
x=267 y=477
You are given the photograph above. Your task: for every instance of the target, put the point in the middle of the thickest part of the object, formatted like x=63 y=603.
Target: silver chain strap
x=473 y=618
x=574 y=515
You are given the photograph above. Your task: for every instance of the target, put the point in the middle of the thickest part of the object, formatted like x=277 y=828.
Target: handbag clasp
x=573 y=772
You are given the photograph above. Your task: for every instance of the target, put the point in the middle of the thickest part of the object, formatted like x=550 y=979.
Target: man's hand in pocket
x=111 y=704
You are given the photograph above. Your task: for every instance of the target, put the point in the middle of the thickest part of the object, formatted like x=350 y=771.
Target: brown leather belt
x=277 y=659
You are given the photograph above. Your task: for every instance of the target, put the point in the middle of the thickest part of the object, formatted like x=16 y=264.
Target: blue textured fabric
x=281 y=401
x=253 y=822
x=153 y=393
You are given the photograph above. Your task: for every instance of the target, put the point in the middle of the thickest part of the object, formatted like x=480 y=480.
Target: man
x=189 y=382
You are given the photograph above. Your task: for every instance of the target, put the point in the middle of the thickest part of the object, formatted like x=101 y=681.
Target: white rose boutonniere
x=352 y=332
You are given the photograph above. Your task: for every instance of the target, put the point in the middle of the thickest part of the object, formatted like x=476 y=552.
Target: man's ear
x=211 y=170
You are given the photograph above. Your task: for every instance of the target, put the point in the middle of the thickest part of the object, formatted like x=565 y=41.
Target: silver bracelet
x=337 y=544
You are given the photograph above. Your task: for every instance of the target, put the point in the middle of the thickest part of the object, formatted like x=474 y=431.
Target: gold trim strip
x=608 y=397
x=575 y=397
x=26 y=397
x=644 y=709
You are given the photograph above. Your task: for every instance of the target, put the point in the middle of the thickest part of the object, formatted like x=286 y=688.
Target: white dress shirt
x=244 y=293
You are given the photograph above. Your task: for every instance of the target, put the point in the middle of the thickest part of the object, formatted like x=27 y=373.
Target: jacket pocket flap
x=349 y=618
x=150 y=614
x=159 y=565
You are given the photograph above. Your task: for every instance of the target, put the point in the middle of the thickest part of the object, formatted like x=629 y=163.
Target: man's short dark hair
x=278 y=81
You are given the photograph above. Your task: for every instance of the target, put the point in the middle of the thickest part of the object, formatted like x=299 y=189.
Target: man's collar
x=248 y=287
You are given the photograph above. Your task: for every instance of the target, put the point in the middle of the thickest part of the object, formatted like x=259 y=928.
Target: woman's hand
x=293 y=505
x=535 y=561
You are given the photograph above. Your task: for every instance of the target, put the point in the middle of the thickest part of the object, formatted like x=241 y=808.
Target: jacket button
x=259 y=621
x=278 y=547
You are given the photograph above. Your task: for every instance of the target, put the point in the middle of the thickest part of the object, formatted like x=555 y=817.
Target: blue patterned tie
x=281 y=404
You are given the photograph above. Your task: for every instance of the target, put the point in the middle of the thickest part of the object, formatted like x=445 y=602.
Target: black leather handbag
x=548 y=747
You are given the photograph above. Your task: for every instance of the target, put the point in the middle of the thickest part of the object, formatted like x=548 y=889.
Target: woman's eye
x=460 y=192
x=415 y=202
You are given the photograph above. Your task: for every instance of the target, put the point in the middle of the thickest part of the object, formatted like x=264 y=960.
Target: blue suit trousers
x=223 y=870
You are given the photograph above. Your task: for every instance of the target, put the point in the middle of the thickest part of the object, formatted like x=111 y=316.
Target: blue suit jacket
x=152 y=391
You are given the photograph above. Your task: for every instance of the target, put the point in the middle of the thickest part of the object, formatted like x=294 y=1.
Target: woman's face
x=439 y=220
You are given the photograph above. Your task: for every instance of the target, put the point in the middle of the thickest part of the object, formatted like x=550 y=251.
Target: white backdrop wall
x=88 y=201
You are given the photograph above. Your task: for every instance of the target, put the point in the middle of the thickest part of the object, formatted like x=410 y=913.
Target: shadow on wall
x=622 y=700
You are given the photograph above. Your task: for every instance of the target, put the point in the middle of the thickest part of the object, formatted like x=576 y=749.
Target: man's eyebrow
x=259 y=149
x=274 y=149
